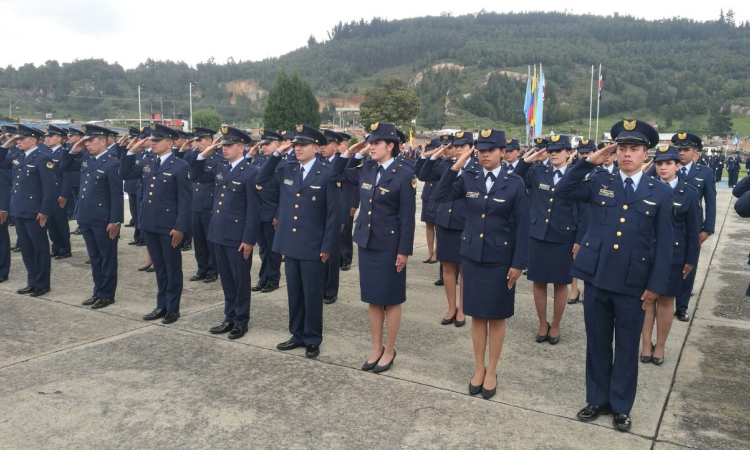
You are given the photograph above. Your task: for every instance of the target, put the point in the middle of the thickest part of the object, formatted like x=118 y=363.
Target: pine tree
x=290 y=102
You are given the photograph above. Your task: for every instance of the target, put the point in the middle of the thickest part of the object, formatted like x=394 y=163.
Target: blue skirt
x=675 y=285
x=429 y=211
x=379 y=282
x=448 y=244
x=486 y=293
x=550 y=262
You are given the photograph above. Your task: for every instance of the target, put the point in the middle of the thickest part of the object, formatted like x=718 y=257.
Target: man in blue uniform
x=57 y=224
x=99 y=211
x=350 y=195
x=131 y=188
x=6 y=184
x=333 y=265
x=164 y=216
x=701 y=178
x=624 y=260
x=309 y=225
x=270 y=266
x=234 y=227
x=733 y=169
x=512 y=150
x=32 y=201
x=202 y=201
x=584 y=149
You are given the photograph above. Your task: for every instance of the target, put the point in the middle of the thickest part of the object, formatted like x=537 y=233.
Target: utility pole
x=192 y=83
x=139 y=105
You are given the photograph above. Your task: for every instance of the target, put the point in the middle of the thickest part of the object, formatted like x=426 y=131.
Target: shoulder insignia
x=414 y=183
x=50 y=165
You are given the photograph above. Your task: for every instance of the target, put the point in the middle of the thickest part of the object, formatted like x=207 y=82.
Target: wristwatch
x=118 y=224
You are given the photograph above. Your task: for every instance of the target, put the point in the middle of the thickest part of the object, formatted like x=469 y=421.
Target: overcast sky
x=130 y=31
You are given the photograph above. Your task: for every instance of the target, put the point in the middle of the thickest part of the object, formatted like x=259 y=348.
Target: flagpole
x=528 y=83
x=591 y=99
x=598 y=99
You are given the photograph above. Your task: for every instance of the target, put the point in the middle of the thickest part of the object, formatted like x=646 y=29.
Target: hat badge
x=224 y=129
x=261 y=131
x=83 y=127
x=682 y=135
x=584 y=142
x=460 y=134
x=486 y=133
x=194 y=130
x=629 y=125
x=46 y=127
x=152 y=126
x=555 y=138
x=538 y=140
x=509 y=141
x=374 y=126
x=663 y=148
x=299 y=128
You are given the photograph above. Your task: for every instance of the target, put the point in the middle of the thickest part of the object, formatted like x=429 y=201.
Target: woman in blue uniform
x=493 y=248
x=553 y=233
x=449 y=223
x=687 y=227
x=384 y=233
x=428 y=206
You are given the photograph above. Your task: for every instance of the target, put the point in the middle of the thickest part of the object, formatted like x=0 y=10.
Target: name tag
x=367 y=186
x=499 y=200
x=606 y=193
x=288 y=182
x=649 y=203
x=544 y=187
x=315 y=187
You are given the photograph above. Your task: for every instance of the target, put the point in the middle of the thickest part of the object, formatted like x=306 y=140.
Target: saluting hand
x=284 y=147
x=355 y=148
x=254 y=150
x=211 y=148
x=113 y=230
x=513 y=276
x=599 y=156
x=461 y=161
x=10 y=142
x=246 y=249
x=187 y=145
x=539 y=155
x=77 y=147
x=401 y=261
x=42 y=219
x=571 y=158
x=176 y=237
x=137 y=146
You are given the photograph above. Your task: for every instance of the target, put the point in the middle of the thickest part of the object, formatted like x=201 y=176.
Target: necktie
x=301 y=174
x=381 y=169
x=629 y=191
x=491 y=176
x=158 y=162
x=683 y=174
x=558 y=173
x=509 y=168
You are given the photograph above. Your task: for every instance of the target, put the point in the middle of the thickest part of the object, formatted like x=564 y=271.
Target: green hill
x=468 y=71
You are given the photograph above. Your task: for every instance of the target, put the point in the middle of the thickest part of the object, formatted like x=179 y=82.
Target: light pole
x=139 y=104
x=192 y=83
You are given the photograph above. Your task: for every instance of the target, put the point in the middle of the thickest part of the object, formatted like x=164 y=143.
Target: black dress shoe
x=225 y=327
x=474 y=390
x=16 y=249
x=170 y=318
x=102 y=303
x=133 y=243
x=269 y=288
x=288 y=345
x=144 y=268
x=448 y=321
x=52 y=255
x=541 y=338
x=329 y=300
x=257 y=288
x=237 y=332
x=313 y=351
x=488 y=394
x=150 y=269
x=211 y=278
x=90 y=301
x=3 y=279
x=77 y=232
x=346 y=267
x=385 y=368
x=553 y=340
x=88 y=261
x=39 y=292
x=141 y=244
x=622 y=422
x=187 y=248
x=592 y=412
x=459 y=323
x=573 y=301
x=657 y=361
x=26 y=290
x=371 y=365
x=63 y=255
x=645 y=359
x=682 y=316
x=155 y=314
x=197 y=277
x=439 y=282
x=129 y=225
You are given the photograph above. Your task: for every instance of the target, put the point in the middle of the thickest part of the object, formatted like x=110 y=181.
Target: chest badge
x=544 y=187
x=472 y=195
x=85 y=164
x=606 y=193
x=288 y=182
x=146 y=168
x=219 y=176
x=367 y=186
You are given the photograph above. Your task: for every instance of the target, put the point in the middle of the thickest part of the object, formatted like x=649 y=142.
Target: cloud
x=84 y=17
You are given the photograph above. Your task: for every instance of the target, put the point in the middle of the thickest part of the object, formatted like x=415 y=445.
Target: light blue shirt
x=636 y=179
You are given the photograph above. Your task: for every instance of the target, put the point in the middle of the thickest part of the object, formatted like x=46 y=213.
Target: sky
x=129 y=32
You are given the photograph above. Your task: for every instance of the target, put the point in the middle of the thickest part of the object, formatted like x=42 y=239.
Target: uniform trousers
x=270 y=261
x=4 y=250
x=612 y=379
x=332 y=272
x=346 y=241
x=204 y=250
x=304 y=280
x=234 y=272
x=35 y=252
x=168 y=268
x=683 y=300
x=103 y=256
x=59 y=230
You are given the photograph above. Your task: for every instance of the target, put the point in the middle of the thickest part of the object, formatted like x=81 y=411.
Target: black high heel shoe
x=488 y=394
x=380 y=369
x=448 y=321
x=541 y=338
x=144 y=268
x=371 y=365
x=459 y=323
x=573 y=301
x=649 y=358
x=474 y=390
x=655 y=360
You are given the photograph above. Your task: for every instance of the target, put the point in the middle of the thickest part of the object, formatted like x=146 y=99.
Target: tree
x=311 y=41
x=209 y=118
x=290 y=102
x=719 y=120
x=393 y=103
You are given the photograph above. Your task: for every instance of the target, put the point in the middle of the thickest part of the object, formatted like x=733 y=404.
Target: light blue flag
x=539 y=104
x=527 y=102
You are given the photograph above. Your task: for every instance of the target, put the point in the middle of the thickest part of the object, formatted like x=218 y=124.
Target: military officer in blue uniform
x=145 y=154
x=445 y=141
x=733 y=169
x=99 y=211
x=32 y=202
x=428 y=207
x=6 y=185
x=351 y=204
x=235 y=225
x=57 y=224
x=553 y=232
x=583 y=150
x=270 y=261
x=687 y=226
x=493 y=248
x=202 y=201
x=624 y=261
x=329 y=154
x=742 y=206
x=131 y=188
x=403 y=157
x=309 y=224
x=701 y=178
x=164 y=216
x=512 y=151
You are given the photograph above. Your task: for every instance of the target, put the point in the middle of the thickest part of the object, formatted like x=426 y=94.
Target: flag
x=527 y=101
x=736 y=141
x=601 y=86
x=539 y=104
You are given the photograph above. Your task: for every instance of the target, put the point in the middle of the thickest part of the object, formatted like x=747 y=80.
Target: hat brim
x=304 y=140
x=382 y=137
x=231 y=142
x=487 y=146
x=458 y=142
x=658 y=158
x=558 y=147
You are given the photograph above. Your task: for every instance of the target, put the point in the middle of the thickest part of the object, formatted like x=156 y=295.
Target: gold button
x=587 y=244
x=296 y=206
x=551 y=200
x=485 y=197
x=369 y=225
x=100 y=204
x=481 y=235
x=223 y=187
x=84 y=189
x=616 y=246
x=553 y=189
x=625 y=207
x=506 y=243
x=149 y=201
x=222 y=195
x=643 y=259
x=549 y=210
x=603 y=203
x=622 y=220
x=295 y=217
x=648 y=213
x=88 y=174
x=369 y=213
x=236 y=220
x=370 y=200
x=217 y=211
x=219 y=203
x=167 y=210
x=676 y=243
x=196 y=190
x=482 y=216
x=393 y=232
x=546 y=220
x=619 y=233
x=294 y=230
x=153 y=178
x=150 y=193
x=297 y=195
x=153 y=186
